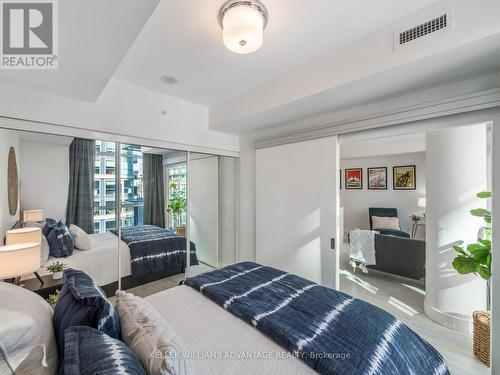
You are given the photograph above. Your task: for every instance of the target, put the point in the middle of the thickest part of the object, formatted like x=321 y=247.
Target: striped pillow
x=88 y=351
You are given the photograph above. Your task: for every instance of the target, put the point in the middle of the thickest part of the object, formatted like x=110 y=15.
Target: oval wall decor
x=12 y=182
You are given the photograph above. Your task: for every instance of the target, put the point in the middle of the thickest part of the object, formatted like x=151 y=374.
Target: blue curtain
x=154 y=191
x=80 y=210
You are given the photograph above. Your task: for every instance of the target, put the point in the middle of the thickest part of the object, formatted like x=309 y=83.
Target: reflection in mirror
x=153 y=218
x=66 y=207
x=212 y=210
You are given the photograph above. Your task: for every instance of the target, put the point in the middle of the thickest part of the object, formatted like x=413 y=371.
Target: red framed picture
x=354 y=178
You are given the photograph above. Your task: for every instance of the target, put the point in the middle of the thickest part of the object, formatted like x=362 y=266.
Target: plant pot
x=481 y=338
x=181 y=231
x=57 y=275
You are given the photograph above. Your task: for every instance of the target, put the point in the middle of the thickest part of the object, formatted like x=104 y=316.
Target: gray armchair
x=386 y=212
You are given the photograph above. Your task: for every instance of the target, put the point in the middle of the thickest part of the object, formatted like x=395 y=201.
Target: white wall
x=227 y=210
x=246 y=249
x=7 y=139
x=357 y=202
x=204 y=206
x=122 y=108
x=456 y=171
x=45 y=178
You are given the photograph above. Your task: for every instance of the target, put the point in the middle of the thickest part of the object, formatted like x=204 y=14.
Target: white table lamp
x=422 y=202
x=33 y=215
x=19 y=259
x=23 y=236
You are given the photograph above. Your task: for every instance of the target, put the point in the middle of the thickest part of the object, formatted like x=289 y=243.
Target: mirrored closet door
x=64 y=202
x=212 y=210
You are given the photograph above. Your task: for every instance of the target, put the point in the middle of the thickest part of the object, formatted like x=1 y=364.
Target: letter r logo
x=27 y=28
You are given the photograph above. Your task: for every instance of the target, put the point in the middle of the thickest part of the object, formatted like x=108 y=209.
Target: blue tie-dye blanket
x=330 y=331
x=154 y=249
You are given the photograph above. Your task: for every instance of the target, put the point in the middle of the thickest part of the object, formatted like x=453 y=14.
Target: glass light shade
x=243 y=29
x=421 y=202
x=23 y=235
x=33 y=215
x=19 y=259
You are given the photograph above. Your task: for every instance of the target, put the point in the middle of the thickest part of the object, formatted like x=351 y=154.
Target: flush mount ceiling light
x=243 y=24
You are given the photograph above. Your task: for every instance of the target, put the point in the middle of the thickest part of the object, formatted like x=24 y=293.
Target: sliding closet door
x=204 y=206
x=297 y=205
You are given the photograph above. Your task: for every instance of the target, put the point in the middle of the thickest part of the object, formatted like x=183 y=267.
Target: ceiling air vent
x=423 y=29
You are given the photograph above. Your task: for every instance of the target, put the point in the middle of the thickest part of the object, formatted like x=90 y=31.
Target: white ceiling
x=400 y=144
x=94 y=36
x=183 y=39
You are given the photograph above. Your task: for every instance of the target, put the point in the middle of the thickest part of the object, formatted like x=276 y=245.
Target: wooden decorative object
x=481 y=340
x=12 y=182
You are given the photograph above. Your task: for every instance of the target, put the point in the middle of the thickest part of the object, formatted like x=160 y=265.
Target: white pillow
x=27 y=342
x=379 y=222
x=151 y=337
x=82 y=239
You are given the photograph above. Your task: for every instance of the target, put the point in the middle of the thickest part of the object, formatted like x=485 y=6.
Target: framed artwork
x=404 y=177
x=377 y=178
x=354 y=178
x=340 y=179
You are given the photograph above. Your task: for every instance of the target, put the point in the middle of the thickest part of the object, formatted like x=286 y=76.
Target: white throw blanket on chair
x=362 y=248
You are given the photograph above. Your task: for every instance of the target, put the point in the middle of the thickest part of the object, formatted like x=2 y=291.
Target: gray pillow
x=28 y=344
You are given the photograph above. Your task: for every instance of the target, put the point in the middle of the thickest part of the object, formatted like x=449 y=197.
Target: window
x=176 y=188
x=105 y=186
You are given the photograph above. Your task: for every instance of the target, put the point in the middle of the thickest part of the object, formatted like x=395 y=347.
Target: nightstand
x=49 y=285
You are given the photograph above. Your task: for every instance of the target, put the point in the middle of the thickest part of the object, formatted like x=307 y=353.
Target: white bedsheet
x=205 y=327
x=101 y=261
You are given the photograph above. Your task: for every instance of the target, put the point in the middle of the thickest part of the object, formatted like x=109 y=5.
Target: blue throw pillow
x=61 y=241
x=83 y=303
x=91 y=352
x=49 y=225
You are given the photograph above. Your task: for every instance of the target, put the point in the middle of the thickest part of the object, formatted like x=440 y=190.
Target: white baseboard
x=456 y=323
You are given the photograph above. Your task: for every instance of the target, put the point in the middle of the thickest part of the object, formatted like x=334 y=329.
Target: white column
x=456 y=167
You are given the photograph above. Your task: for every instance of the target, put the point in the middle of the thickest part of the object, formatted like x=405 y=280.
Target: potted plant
x=56 y=269
x=52 y=300
x=476 y=259
x=176 y=206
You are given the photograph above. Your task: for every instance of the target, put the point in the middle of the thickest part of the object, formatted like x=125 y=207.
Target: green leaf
x=484 y=194
x=464 y=264
x=485 y=243
x=459 y=250
x=481 y=256
x=484 y=272
x=474 y=247
x=481 y=212
x=487 y=220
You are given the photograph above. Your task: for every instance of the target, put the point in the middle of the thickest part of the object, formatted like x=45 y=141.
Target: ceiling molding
x=474 y=101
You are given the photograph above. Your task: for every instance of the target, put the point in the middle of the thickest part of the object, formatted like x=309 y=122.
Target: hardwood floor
x=404 y=299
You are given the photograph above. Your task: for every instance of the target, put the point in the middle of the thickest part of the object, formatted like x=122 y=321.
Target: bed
x=262 y=314
x=147 y=253
x=205 y=327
